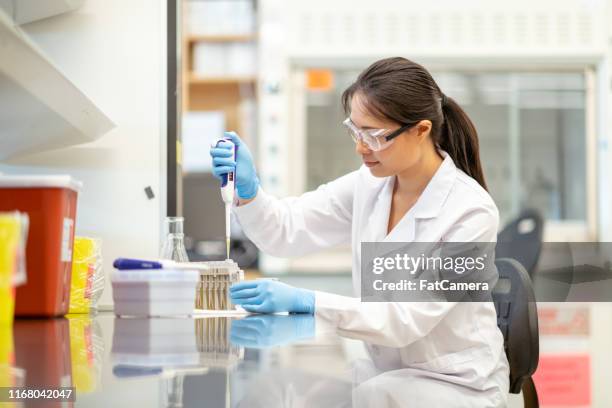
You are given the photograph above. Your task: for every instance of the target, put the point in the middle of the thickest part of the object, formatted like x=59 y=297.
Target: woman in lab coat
x=421 y=181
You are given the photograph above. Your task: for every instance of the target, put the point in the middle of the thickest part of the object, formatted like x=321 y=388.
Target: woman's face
x=406 y=151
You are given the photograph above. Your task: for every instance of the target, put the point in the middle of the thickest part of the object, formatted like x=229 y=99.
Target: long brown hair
x=403 y=91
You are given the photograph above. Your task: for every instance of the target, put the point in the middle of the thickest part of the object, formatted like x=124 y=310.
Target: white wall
x=114 y=50
x=605 y=136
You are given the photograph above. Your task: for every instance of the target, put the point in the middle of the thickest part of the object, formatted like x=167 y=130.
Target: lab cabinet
x=41 y=108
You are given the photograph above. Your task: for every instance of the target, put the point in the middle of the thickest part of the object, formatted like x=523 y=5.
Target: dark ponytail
x=459 y=138
x=405 y=92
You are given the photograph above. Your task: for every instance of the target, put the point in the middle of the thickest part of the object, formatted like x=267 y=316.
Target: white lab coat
x=457 y=343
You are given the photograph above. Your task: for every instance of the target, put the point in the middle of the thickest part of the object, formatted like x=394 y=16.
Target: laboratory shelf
x=26 y=11
x=221 y=38
x=200 y=80
x=41 y=109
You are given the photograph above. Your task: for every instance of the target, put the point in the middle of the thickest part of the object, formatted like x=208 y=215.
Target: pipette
x=227 y=192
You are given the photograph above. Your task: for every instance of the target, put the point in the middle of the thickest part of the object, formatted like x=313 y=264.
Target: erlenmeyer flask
x=174 y=245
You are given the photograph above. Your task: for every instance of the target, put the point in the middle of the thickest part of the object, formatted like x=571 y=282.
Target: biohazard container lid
x=37 y=181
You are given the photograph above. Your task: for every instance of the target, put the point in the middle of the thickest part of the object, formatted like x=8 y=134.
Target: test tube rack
x=212 y=292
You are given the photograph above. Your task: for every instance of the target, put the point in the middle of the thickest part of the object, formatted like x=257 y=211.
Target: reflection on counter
x=194 y=360
x=10 y=375
x=193 y=357
x=344 y=372
x=41 y=356
x=45 y=341
x=213 y=340
x=259 y=331
x=255 y=361
x=154 y=345
x=61 y=352
x=260 y=360
x=86 y=352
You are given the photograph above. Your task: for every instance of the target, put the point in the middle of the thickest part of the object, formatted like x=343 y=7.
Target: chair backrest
x=522 y=239
x=517 y=318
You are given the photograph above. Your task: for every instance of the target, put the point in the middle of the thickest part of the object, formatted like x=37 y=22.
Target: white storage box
x=210 y=59
x=220 y=17
x=241 y=59
x=154 y=292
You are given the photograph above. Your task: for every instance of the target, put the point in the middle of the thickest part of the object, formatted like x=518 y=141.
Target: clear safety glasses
x=375 y=139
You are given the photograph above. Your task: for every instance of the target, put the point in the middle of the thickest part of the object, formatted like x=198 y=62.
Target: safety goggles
x=375 y=139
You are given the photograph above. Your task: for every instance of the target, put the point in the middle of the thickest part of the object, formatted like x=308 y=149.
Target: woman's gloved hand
x=247 y=182
x=268 y=296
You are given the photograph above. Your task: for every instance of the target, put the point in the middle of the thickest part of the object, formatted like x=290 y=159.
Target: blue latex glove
x=271 y=330
x=268 y=296
x=247 y=182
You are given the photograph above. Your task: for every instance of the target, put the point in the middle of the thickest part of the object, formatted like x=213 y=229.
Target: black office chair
x=522 y=239
x=517 y=318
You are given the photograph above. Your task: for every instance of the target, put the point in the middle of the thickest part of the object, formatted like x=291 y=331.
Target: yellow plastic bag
x=87 y=280
x=13 y=237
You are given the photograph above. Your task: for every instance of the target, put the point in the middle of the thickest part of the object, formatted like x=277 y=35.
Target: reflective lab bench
x=178 y=362
x=252 y=361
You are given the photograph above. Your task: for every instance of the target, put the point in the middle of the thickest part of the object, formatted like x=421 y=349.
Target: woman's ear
x=423 y=129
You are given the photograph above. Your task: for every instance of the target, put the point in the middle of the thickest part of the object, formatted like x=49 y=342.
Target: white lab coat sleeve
x=297 y=226
x=398 y=324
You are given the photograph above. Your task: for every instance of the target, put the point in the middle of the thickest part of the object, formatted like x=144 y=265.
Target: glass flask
x=174 y=245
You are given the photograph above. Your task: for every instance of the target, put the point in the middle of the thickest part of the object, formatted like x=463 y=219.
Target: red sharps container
x=50 y=202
